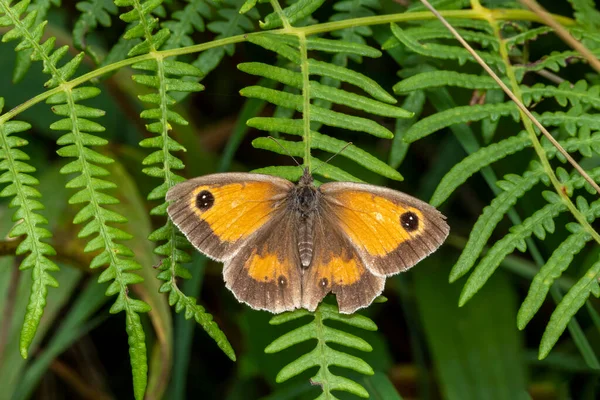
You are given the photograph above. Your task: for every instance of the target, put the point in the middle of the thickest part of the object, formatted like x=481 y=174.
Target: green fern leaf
x=232 y=23
x=565 y=93
x=432 y=79
x=166 y=76
x=557 y=263
x=29 y=33
x=93 y=13
x=475 y=162
x=458 y=115
x=318 y=114
x=321 y=142
x=28 y=225
x=569 y=305
x=295 y=12
x=323 y=356
x=539 y=223
x=513 y=187
x=40 y=9
x=554 y=62
x=586 y=13
x=185 y=22
x=440 y=32
x=570 y=120
x=527 y=36
x=444 y=52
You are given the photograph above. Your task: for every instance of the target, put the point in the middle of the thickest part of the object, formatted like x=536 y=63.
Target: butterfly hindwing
x=266 y=273
x=218 y=213
x=338 y=268
x=392 y=231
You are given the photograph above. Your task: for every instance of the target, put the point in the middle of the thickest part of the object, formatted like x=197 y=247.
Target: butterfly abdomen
x=304 y=201
x=305 y=239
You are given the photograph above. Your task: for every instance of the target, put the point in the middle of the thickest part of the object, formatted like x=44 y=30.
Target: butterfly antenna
x=286 y=150
x=329 y=159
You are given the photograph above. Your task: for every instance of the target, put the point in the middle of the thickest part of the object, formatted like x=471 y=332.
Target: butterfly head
x=306 y=179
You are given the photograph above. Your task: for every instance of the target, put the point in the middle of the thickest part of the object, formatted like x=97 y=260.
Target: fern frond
x=432 y=79
x=564 y=93
x=513 y=187
x=115 y=256
x=291 y=14
x=586 y=13
x=557 y=263
x=161 y=164
x=93 y=13
x=319 y=141
x=569 y=305
x=23 y=60
x=348 y=10
x=444 y=52
x=586 y=143
x=539 y=223
x=527 y=36
x=571 y=119
x=554 y=62
x=143 y=25
x=185 y=22
x=90 y=183
x=475 y=162
x=13 y=162
x=166 y=76
x=462 y=114
x=288 y=47
x=440 y=32
x=323 y=356
x=29 y=34
x=233 y=22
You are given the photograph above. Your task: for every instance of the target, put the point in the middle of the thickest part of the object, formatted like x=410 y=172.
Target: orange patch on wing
x=267 y=268
x=340 y=271
x=239 y=209
x=373 y=222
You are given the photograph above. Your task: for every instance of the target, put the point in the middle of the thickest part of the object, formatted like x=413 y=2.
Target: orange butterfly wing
x=219 y=213
x=391 y=231
x=241 y=219
x=338 y=268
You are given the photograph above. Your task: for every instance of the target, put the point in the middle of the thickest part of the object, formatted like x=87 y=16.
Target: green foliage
x=324 y=356
x=307 y=73
x=576 y=131
x=16 y=172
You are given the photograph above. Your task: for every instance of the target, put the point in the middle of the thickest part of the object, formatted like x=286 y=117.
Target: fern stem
x=306 y=136
x=563 y=33
x=535 y=141
x=37 y=47
x=144 y=22
x=496 y=14
x=499 y=15
x=277 y=7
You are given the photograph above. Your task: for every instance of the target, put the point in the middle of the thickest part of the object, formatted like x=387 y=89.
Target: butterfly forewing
x=219 y=213
x=391 y=231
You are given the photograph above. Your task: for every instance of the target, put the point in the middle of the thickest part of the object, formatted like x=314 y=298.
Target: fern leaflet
x=323 y=356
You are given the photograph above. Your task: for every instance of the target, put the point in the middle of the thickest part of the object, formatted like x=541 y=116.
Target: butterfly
x=286 y=246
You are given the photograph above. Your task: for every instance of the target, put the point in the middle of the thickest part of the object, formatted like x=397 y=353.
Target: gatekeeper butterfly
x=286 y=245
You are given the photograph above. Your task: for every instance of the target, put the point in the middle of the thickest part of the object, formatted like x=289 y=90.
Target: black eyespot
x=324 y=282
x=409 y=221
x=281 y=280
x=205 y=200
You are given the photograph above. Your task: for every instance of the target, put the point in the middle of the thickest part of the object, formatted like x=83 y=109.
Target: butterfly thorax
x=305 y=202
